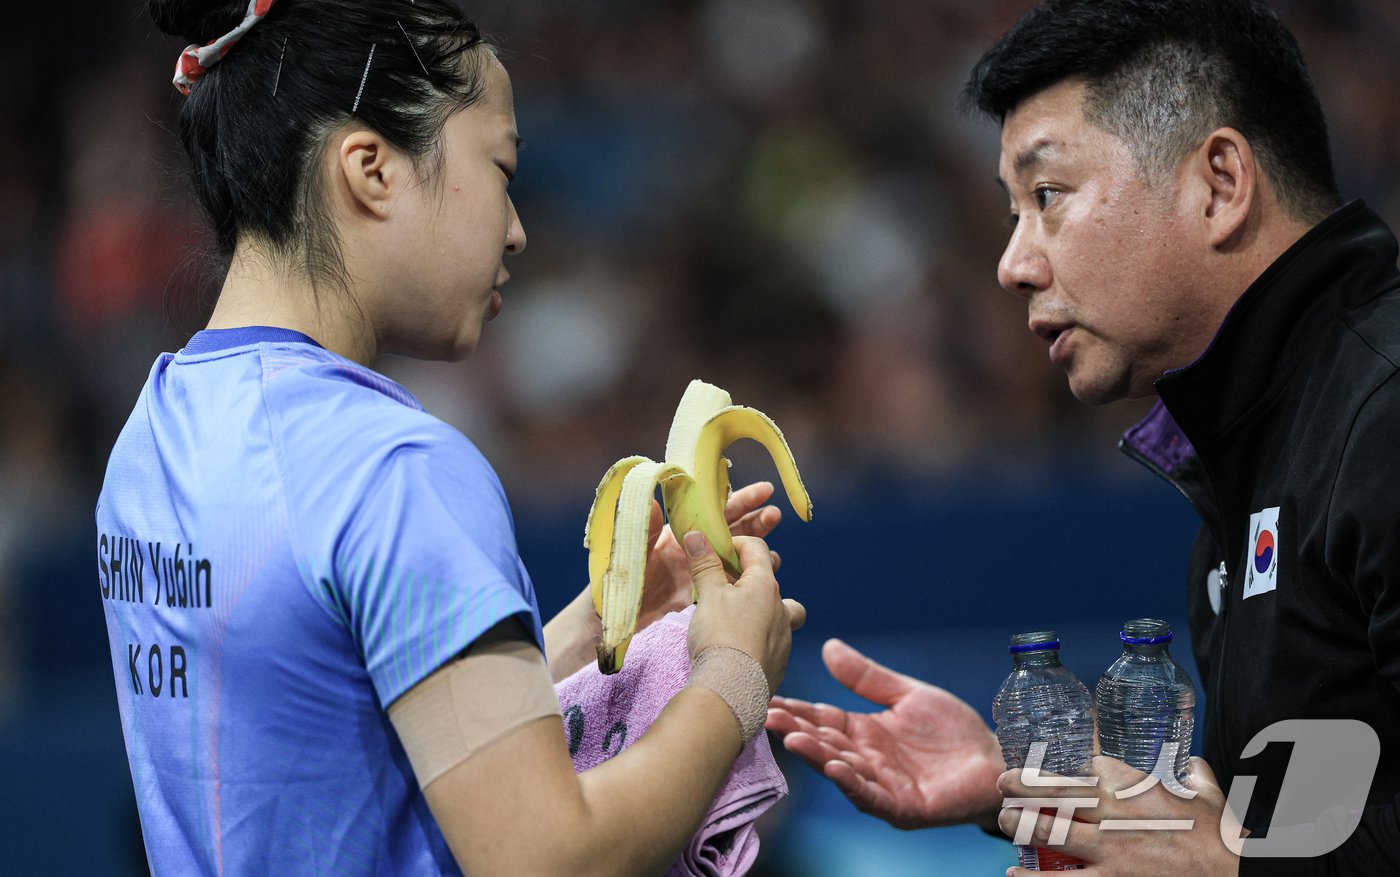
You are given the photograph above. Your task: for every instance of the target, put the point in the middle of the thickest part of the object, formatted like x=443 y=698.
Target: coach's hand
x=1185 y=840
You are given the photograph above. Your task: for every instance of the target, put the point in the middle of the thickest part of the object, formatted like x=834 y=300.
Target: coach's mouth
x=1058 y=335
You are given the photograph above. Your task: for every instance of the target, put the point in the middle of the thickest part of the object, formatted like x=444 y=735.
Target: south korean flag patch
x=1261 y=567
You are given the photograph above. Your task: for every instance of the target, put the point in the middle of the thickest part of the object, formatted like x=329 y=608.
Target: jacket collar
x=1262 y=337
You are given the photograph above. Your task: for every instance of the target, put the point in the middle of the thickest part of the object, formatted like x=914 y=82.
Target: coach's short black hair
x=255 y=125
x=1162 y=74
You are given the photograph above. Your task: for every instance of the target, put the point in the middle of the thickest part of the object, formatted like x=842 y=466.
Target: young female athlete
x=329 y=658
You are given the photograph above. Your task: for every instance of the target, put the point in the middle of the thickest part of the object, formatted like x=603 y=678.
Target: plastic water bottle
x=1146 y=701
x=1042 y=701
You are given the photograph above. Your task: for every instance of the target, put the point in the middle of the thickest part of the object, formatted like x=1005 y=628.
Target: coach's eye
x=1043 y=195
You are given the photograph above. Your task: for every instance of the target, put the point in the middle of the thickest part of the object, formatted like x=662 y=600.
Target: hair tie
x=195 y=61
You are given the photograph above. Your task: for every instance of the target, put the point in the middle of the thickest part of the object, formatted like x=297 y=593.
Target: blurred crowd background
x=778 y=196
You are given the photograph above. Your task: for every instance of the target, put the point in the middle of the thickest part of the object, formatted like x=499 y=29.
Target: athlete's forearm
x=646 y=803
x=571 y=637
x=517 y=806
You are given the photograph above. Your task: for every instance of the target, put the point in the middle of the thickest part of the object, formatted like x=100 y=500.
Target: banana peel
x=694 y=482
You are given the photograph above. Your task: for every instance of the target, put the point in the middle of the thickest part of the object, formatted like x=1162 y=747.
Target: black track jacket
x=1285 y=437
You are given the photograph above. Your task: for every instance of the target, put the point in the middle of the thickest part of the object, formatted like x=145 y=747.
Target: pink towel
x=605 y=714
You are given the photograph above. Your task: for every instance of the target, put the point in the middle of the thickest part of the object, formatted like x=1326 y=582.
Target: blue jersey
x=287 y=542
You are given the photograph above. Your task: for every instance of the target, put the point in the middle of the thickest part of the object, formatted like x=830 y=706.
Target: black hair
x=1162 y=74
x=255 y=125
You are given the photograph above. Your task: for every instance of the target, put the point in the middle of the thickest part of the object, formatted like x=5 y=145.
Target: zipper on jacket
x=1218 y=668
x=1134 y=454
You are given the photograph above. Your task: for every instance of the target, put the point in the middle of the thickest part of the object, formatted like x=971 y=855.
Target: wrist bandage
x=740 y=682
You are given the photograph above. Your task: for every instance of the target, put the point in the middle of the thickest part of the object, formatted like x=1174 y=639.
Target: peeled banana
x=694 y=482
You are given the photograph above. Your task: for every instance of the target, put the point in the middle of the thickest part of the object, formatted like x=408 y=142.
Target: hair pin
x=276 y=80
x=414 y=49
x=360 y=92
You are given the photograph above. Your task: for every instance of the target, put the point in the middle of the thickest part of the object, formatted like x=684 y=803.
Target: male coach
x=1178 y=232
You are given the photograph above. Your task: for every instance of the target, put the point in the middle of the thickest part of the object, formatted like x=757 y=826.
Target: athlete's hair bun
x=197 y=21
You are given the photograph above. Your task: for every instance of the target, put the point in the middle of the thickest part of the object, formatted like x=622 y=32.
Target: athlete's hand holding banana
x=694 y=482
x=668 y=586
x=742 y=615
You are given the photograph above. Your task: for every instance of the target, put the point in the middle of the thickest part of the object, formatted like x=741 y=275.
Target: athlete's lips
x=494 y=307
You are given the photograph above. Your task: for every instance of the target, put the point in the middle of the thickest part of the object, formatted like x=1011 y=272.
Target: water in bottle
x=1146 y=702
x=1042 y=701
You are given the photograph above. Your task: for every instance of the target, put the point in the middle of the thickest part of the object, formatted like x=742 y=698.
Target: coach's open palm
x=927 y=760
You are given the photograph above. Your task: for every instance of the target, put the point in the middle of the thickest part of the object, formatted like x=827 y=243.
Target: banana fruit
x=694 y=482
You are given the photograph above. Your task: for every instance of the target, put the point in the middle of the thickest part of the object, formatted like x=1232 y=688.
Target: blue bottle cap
x=1034 y=642
x=1145 y=632
x=1034 y=647
x=1145 y=640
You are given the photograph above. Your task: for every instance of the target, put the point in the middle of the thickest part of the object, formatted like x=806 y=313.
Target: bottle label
x=1053 y=860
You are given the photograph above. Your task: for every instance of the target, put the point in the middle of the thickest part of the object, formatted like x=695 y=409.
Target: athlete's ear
x=1223 y=172
x=369 y=170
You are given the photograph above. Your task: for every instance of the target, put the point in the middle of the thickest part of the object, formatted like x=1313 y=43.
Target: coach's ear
x=1224 y=172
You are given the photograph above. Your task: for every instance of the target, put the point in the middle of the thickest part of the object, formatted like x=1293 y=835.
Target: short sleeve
x=426 y=564
x=400 y=525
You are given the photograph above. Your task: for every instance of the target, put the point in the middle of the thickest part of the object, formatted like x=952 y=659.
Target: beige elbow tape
x=500 y=686
x=739 y=680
